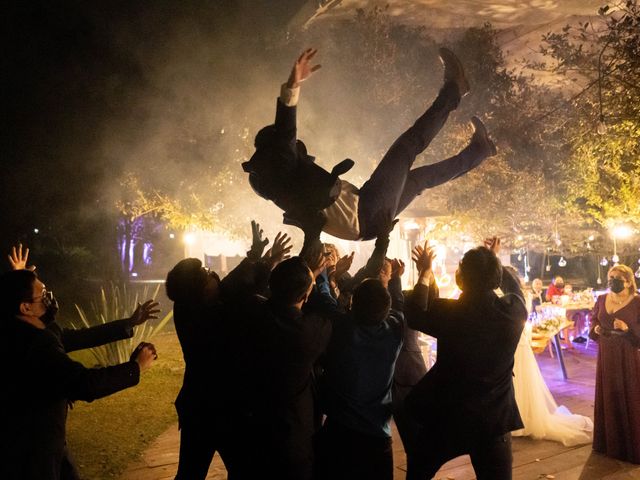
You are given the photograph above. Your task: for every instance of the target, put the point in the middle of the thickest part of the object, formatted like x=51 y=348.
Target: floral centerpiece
x=548 y=326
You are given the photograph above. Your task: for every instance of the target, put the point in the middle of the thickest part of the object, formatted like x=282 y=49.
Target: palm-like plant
x=114 y=303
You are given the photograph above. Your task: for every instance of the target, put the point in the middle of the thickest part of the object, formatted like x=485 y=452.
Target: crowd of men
x=292 y=366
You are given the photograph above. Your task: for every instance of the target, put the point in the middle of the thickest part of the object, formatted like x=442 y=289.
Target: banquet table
x=540 y=340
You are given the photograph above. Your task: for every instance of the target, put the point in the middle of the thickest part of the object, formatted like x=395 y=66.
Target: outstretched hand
x=146 y=311
x=18 y=259
x=280 y=250
x=343 y=265
x=397 y=268
x=302 y=68
x=145 y=354
x=423 y=257
x=493 y=244
x=316 y=261
x=258 y=243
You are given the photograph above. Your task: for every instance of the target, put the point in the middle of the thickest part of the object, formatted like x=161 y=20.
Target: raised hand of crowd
x=143 y=312
x=258 y=243
x=423 y=257
x=493 y=244
x=18 y=259
x=280 y=250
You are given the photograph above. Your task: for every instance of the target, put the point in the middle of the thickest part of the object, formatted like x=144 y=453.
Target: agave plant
x=115 y=303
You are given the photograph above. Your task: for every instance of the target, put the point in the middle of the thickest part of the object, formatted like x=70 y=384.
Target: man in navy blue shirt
x=355 y=440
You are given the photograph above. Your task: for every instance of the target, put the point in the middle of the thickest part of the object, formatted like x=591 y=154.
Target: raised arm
x=374 y=265
x=320 y=301
x=395 y=285
x=418 y=309
x=58 y=372
x=252 y=274
x=510 y=285
x=290 y=93
x=109 y=332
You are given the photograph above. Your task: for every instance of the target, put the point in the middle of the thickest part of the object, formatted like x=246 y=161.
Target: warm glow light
x=189 y=238
x=410 y=225
x=622 y=231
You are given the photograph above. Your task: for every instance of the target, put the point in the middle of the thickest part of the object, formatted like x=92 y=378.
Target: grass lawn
x=106 y=435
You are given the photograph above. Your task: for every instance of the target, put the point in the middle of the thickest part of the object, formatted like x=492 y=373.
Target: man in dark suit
x=282 y=171
x=283 y=344
x=209 y=404
x=465 y=404
x=39 y=379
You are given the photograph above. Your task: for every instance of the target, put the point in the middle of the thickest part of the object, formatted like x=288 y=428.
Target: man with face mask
x=40 y=379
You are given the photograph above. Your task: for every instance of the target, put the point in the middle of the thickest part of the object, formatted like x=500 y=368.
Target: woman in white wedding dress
x=541 y=415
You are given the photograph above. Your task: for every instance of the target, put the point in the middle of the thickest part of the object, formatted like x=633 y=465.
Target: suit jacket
x=282 y=346
x=281 y=170
x=469 y=391
x=79 y=339
x=410 y=366
x=359 y=367
x=209 y=336
x=39 y=382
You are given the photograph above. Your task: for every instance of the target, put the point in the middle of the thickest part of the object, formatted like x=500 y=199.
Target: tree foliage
x=601 y=180
x=552 y=184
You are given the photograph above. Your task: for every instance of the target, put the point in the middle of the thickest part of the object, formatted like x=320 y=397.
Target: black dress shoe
x=453 y=71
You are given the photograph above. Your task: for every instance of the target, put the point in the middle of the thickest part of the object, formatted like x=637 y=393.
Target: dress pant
x=490 y=456
x=200 y=439
x=393 y=185
x=346 y=454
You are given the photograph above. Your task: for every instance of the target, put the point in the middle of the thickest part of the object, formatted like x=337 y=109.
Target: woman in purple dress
x=616 y=327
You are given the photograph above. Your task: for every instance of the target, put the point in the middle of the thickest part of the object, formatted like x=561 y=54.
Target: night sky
x=77 y=79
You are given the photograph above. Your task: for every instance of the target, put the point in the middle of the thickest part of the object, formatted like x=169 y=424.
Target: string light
x=562 y=262
x=189 y=238
x=604 y=262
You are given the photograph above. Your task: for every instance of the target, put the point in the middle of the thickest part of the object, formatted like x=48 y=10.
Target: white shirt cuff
x=289 y=96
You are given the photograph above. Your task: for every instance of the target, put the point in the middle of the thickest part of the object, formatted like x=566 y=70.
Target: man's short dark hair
x=480 y=270
x=186 y=281
x=371 y=302
x=16 y=287
x=289 y=281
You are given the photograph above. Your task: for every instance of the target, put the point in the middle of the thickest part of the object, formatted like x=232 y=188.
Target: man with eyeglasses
x=40 y=380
